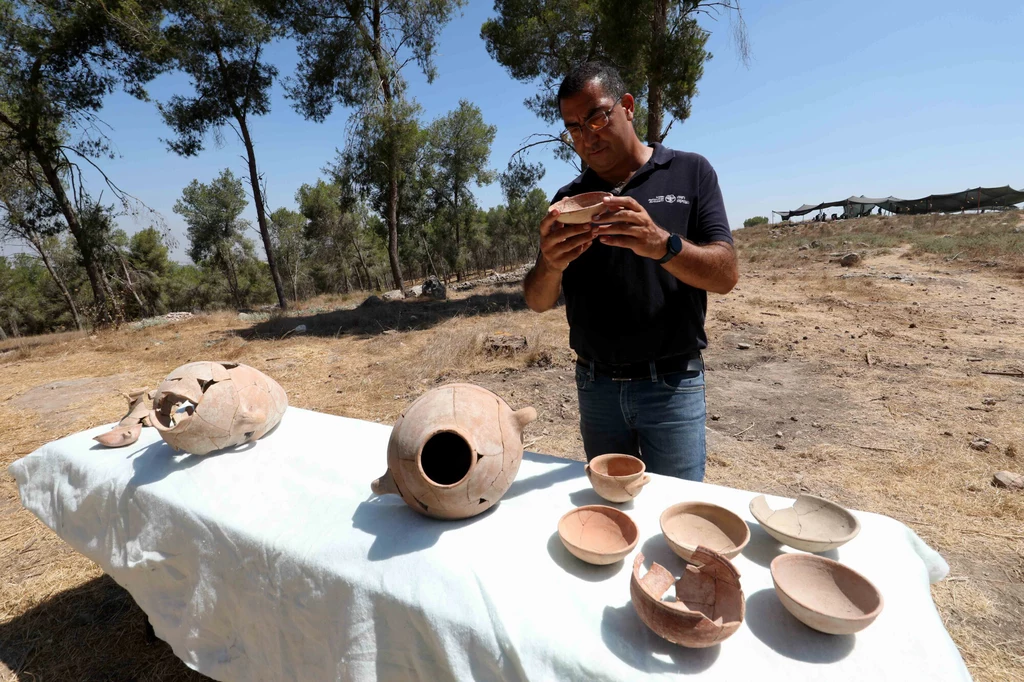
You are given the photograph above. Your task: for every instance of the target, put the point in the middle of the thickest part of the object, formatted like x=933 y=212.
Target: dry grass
x=869 y=435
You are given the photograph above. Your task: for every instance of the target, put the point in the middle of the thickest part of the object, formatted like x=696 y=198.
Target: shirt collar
x=662 y=156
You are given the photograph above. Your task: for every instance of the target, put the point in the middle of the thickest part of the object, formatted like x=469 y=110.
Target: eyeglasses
x=599 y=120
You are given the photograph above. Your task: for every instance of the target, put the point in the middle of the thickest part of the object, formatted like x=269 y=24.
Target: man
x=635 y=280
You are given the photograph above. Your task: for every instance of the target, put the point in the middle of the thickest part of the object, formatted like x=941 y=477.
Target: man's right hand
x=562 y=244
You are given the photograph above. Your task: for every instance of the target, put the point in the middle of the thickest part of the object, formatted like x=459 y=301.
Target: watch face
x=675 y=243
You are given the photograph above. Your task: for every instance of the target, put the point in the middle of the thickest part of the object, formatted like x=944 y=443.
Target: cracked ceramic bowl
x=689 y=525
x=812 y=524
x=580 y=208
x=706 y=608
x=825 y=595
x=598 y=534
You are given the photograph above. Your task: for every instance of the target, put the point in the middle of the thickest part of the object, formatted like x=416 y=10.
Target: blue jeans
x=661 y=421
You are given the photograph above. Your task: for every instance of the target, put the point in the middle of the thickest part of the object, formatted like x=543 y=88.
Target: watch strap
x=674 y=247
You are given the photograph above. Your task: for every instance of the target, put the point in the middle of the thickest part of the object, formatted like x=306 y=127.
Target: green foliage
x=661 y=57
x=58 y=60
x=287 y=229
x=756 y=220
x=458 y=148
x=353 y=54
x=219 y=44
x=215 y=229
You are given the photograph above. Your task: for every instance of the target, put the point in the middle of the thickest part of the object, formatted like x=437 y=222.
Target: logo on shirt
x=669 y=199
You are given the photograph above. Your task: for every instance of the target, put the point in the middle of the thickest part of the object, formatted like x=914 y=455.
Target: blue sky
x=874 y=98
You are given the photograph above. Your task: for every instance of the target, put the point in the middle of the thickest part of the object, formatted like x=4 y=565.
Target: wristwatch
x=675 y=245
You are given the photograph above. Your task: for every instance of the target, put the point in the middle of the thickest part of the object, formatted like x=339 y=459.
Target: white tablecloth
x=277 y=563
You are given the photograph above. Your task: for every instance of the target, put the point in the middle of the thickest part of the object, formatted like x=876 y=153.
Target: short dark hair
x=581 y=74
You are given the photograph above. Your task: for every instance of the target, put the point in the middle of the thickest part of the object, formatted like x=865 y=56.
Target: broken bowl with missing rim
x=812 y=524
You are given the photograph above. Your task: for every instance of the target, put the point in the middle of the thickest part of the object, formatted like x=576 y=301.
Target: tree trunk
x=37 y=244
x=396 y=267
x=362 y=261
x=261 y=215
x=386 y=76
x=655 y=83
x=131 y=286
x=118 y=307
x=426 y=250
x=85 y=246
x=225 y=260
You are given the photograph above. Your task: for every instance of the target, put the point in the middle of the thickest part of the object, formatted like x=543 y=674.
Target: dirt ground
x=866 y=385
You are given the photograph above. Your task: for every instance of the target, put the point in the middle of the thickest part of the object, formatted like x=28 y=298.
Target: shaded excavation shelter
x=968 y=200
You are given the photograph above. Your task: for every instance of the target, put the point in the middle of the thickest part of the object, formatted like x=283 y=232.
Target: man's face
x=607 y=147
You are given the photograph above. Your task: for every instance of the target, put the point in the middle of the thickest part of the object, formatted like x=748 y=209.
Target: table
x=275 y=562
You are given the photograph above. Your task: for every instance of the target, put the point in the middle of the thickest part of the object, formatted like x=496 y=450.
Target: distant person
x=635 y=280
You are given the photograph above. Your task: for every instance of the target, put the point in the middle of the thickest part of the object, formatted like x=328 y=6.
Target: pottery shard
x=1008 y=479
x=849 y=260
x=128 y=430
x=504 y=344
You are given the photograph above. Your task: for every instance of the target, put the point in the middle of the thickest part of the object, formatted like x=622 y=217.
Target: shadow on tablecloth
x=771 y=623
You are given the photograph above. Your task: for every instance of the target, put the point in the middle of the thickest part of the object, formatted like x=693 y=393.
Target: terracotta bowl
x=825 y=595
x=688 y=525
x=812 y=524
x=598 y=534
x=708 y=607
x=580 y=208
x=617 y=478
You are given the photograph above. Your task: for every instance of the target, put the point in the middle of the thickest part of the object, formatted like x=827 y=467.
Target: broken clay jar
x=617 y=478
x=708 y=605
x=205 y=406
x=454 y=451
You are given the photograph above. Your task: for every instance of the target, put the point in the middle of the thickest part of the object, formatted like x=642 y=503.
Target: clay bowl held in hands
x=597 y=534
x=811 y=524
x=825 y=595
x=688 y=525
x=708 y=607
x=581 y=208
x=617 y=478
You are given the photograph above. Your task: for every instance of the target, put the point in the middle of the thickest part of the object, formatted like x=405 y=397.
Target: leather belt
x=689 y=362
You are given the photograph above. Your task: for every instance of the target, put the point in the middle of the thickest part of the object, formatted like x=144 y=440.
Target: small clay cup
x=597 y=534
x=617 y=478
x=689 y=525
x=581 y=208
x=825 y=595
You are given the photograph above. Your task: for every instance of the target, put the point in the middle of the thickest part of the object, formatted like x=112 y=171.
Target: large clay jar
x=454 y=451
x=205 y=406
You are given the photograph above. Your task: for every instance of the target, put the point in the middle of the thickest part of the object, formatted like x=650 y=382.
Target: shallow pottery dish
x=825 y=595
x=597 y=534
x=581 y=208
x=688 y=525
x=708 y=606
x=617 y=478
x=811 y=524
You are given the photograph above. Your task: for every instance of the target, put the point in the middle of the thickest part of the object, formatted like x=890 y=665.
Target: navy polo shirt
x=625 y=308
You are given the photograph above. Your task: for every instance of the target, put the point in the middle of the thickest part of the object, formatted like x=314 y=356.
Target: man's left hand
x=626 y=224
